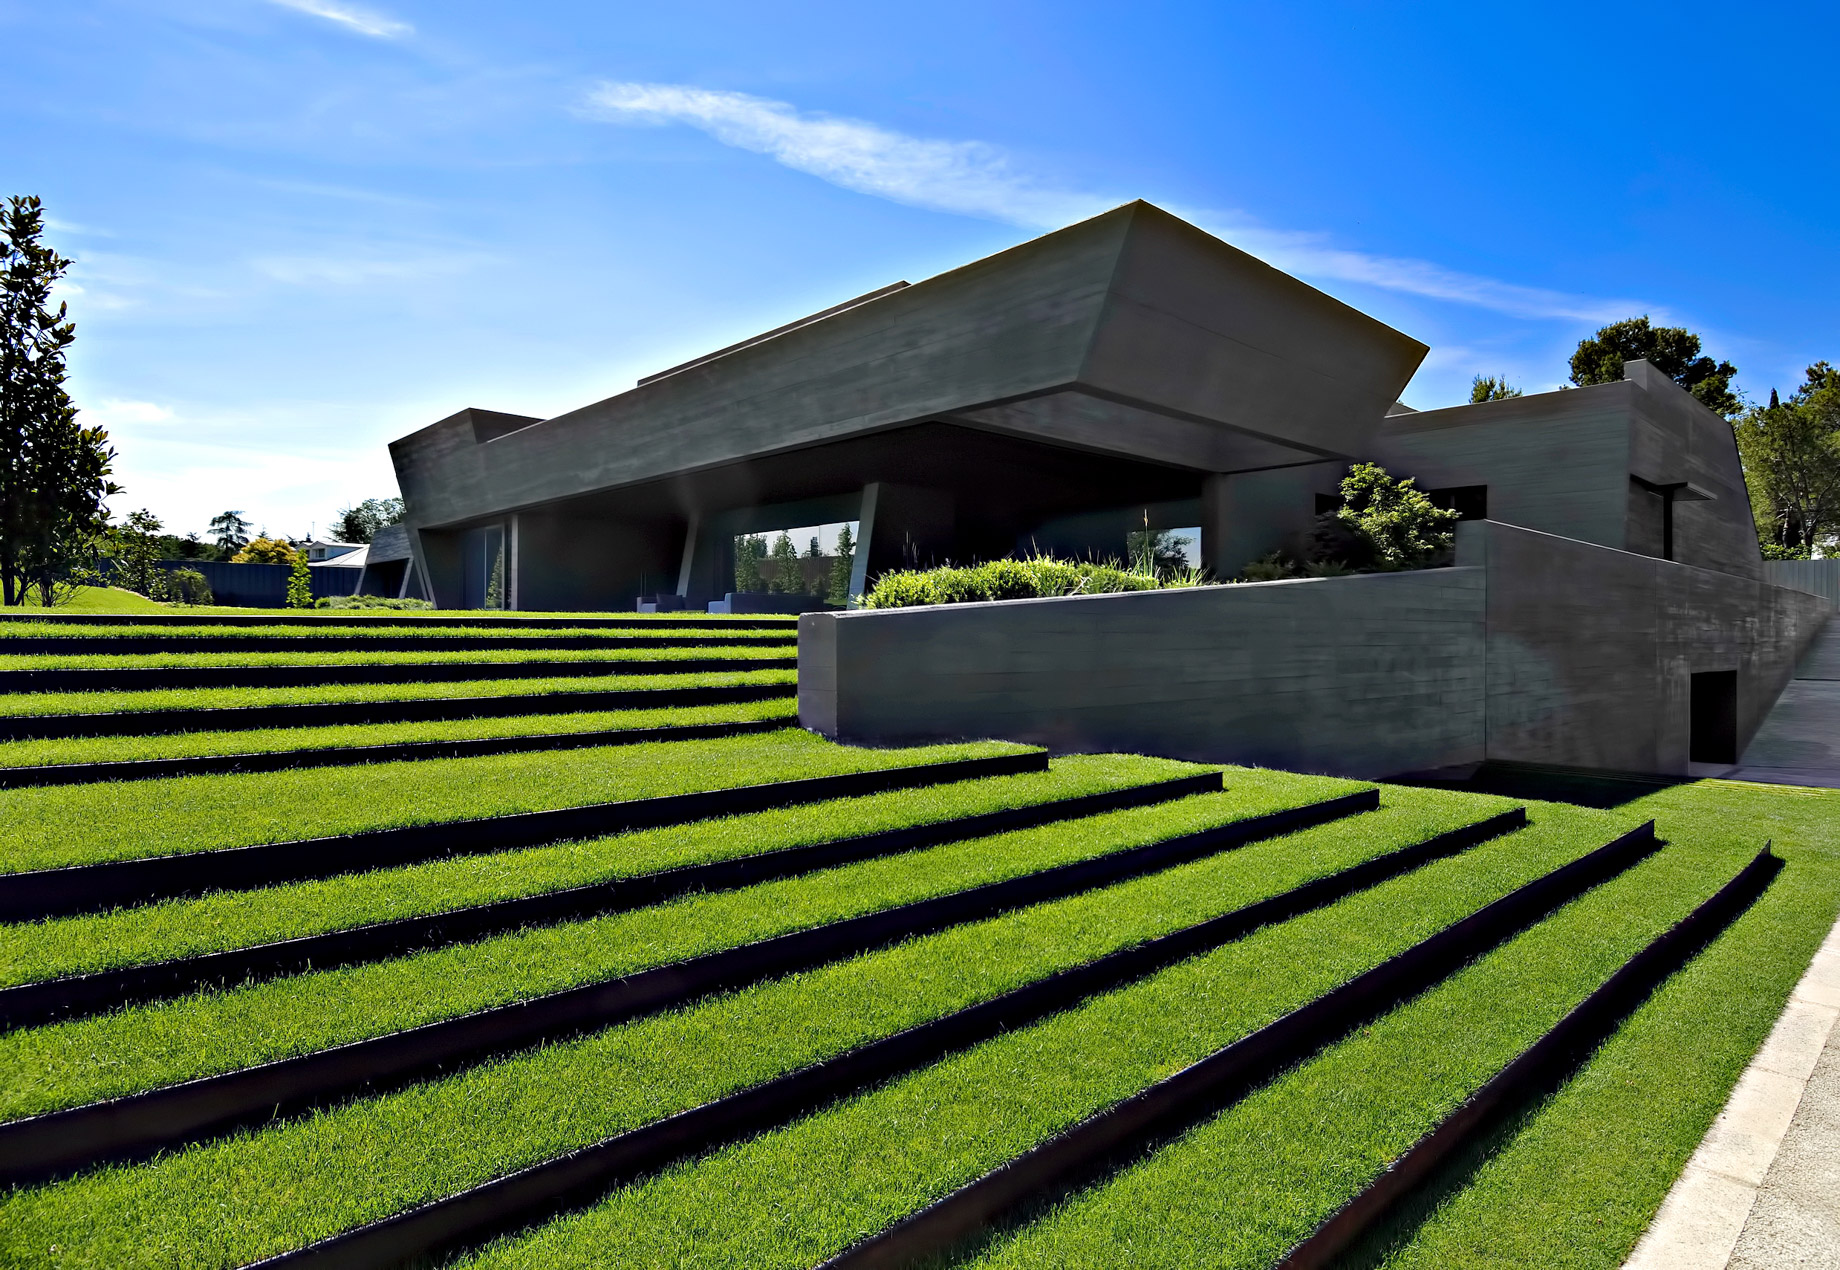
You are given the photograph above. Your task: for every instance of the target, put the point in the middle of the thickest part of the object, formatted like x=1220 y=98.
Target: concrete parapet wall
x=1362 y=676
x=1533 y=649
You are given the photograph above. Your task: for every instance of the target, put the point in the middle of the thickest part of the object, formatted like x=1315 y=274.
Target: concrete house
x=1608 y=607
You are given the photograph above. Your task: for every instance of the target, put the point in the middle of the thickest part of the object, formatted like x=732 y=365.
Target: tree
x=54 y=472
x=787 y=580
x=361 y=522
x=1791 y=455
x=841 y=564
x=300 y=585
x=231 y=532
x=1672 y=350
x=1382 y=525
x=749 y=552
x=265 y=550
x=1493 y=388
x=134 y=545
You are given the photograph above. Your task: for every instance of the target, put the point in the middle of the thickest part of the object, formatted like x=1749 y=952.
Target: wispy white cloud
x=113 y=412
x=344 y=270
x=975 y=178
x=969 y=177
x=351 y=17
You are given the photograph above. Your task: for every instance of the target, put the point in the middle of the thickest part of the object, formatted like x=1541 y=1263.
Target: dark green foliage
x=1492 y=388
x=1036 y=578
x=232 y=533
x=187 y=586
x=1791 y=454
x=361 y=522
x=1672 y=350
x=53 y=471
x=749 y=552
x=841 y=564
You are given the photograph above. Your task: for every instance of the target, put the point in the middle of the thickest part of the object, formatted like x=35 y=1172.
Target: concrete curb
x=1700 y=1221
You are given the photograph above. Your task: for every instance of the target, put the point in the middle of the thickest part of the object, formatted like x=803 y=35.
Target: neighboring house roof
x=350 y=557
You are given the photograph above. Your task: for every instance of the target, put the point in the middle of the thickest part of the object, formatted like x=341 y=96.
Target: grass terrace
x=1571 y=1180
x=308 y=657
x=36 y=703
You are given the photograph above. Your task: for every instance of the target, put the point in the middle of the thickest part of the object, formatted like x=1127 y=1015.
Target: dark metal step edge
x=138 y=1124
x=155 y=678
x=88 y=645
x=579 y=1178
x=30 y=1004
x=403 y=617
x=87 y=888
x=1125 y=1130
x=324 y=714
x=1542 y=1068
x=357 y=755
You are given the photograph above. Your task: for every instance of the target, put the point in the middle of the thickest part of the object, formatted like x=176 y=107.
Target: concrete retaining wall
x=1365 y=676
x=1534 y=649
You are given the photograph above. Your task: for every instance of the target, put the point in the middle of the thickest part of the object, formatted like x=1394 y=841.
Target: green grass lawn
x=36 y=703
x=308 y=657
x=64 y=1064
x=218 y=1204
x=112 y=600
x=80 y=824
x=96 y=599
x=376 y=628
x=118 y=749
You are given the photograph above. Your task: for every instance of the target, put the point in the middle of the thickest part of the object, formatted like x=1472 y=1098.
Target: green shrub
x=187 y=586
x=370 y=602
x=1035 y=578
x=1382 y=526
x=300 y=585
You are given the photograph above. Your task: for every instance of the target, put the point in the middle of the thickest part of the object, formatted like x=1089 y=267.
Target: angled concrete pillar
x=900 y=527
x=1246 y=515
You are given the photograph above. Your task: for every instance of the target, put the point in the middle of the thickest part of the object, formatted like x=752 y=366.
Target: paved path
x=1763 y=1190
x=1799 y=742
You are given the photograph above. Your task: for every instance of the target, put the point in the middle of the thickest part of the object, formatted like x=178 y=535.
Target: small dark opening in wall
x=1714 y=736
x=1469 y=502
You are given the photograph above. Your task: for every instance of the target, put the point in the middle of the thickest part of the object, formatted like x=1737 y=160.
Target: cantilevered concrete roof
x=1133 y=334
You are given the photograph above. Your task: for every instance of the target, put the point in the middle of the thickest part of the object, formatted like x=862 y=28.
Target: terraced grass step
x=141 y=679
x=230 y=920
x=350 y=756
x=1250 y=1184
x=514 y=1202
x=85 y=1135
x=305 y=654
x=35 y=894
x=179 y=745
x=151 y=721
x=300 y=1180
x=854 y=1168
x=1229 y=1073
x=85 y=824
x=38 y=1002
x=1538 y=1071
x=394 y=618
x=75 y=644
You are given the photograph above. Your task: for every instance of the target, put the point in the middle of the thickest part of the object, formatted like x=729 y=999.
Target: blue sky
x=304 y=227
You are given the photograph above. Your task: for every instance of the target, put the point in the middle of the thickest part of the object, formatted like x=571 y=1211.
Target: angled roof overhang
x=1133 y=333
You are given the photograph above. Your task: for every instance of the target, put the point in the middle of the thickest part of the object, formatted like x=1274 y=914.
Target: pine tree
x=748 y=553
x=840 y=567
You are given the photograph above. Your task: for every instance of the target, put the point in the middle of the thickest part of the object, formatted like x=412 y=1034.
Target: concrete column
x=900 y=527
x=1246 y=515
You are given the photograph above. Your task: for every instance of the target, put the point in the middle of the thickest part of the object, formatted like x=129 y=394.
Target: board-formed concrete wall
x=1360 y=676
x=1590 y=649
x=1532 y=649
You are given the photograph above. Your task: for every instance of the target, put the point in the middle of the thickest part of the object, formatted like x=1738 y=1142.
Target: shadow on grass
x=1601 y=790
